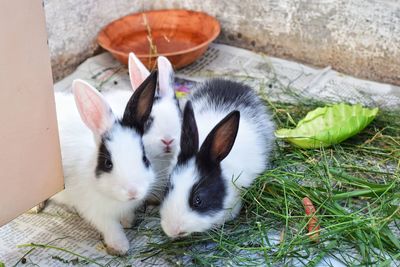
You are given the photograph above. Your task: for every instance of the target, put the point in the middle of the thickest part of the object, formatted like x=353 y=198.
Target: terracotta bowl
x=180 y=35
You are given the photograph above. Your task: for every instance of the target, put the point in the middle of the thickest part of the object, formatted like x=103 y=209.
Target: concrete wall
x=73 y=25
x=358 y=37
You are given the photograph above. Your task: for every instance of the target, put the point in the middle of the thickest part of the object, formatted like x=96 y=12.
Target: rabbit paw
x=117 y=246
x=128 y=220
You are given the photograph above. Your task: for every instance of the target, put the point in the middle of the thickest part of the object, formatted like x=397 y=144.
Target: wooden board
x=30 y=159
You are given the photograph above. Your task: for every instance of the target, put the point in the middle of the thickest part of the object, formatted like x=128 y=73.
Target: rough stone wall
x=73 y=25
x=361 y=38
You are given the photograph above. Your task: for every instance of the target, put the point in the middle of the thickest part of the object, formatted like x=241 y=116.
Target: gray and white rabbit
x=162 y=131
x=236 y=135
x=107 y=173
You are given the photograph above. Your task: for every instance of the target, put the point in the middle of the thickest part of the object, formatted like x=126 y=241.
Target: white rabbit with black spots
x=107 y=174
x=236 y=135
x=162 y=131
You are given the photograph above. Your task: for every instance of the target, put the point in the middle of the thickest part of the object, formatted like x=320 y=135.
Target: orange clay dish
x=180 y=35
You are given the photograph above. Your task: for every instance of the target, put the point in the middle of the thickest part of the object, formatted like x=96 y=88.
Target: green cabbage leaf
x=328 y=125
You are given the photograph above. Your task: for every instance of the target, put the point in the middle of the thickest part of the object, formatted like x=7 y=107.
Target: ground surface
x=354 y=187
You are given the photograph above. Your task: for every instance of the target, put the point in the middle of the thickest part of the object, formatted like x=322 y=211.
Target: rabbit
x=162 y=131
x=236 y=135
x=107 y=173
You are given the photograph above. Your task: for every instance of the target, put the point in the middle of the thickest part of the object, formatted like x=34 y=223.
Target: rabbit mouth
x=167 y=150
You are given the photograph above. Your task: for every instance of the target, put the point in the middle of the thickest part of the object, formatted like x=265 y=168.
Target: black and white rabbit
x=236 y=135
x=162 y=131
x=107 y=173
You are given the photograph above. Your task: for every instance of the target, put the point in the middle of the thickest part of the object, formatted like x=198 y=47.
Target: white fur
x=166 y=125
x=166 y=122
x=103 y=201
x=243 y=164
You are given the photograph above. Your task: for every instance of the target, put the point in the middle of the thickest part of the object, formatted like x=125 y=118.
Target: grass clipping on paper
x=354 y=187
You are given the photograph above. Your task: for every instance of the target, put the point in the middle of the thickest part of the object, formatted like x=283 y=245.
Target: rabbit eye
x=104 y=160
x=197 y=201
x=108 y=164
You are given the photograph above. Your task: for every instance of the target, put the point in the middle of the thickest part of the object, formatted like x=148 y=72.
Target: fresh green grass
x=354 y=186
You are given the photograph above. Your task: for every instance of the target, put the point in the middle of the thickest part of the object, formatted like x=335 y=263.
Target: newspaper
x=57 y=226
x=283 y=80
x=277 y=79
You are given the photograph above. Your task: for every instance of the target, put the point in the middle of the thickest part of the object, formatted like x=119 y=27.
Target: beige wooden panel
x=30 y=160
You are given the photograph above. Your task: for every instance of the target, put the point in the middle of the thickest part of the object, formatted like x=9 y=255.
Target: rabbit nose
x=167 y=142
x=132 y=194
x=177 y=232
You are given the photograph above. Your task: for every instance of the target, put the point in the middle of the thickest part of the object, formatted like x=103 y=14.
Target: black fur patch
x=207 y=195
x=104 y=160
x=145 y=160
x=168 y=188
x=148 y=124
x=220 y=91
x=189 y=135
x=139 y=106
x=228 y=96
x=156 y=98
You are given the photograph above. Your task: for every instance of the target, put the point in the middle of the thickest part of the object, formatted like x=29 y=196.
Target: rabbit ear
x=94 y=110
x=139 y=106
x=166 y=77
x=220 y=140
x=137 y=71
x=189 y=135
